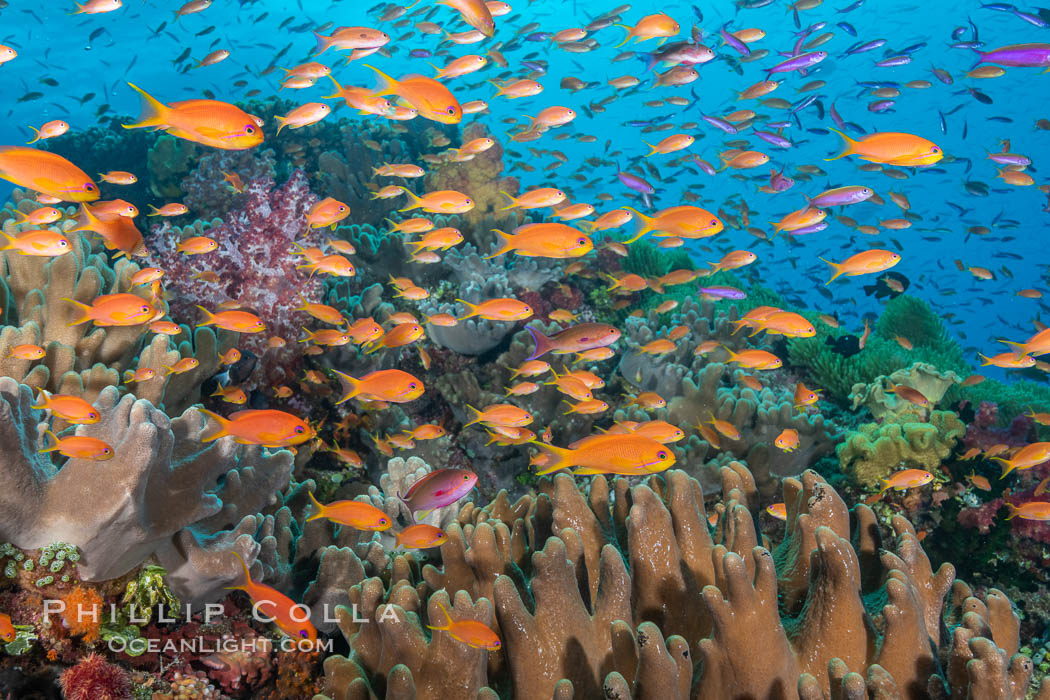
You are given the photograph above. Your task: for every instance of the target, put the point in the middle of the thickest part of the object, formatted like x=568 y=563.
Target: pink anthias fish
x=438 y=489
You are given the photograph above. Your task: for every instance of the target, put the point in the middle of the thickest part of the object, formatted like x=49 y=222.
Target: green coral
x=169 y=161
x=53 y=558
x=146 y=591
x=875 y=450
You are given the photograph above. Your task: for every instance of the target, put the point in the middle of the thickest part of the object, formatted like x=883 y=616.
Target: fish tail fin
x=448 y=619
x=317 y=504
x=309 y=334
x=473 y=310
x=1007 y=466
x=338 y=88
x=644 y=225
x=35 y=131
x=323 y=44
x=416 y=200
x=513 y=202
x=81 y=307
x=654 y=150
x=351 y=386
x=630 y=34
x=507 y=241
x=247 y=575
x=1014 y=510
x=154 y=112
x=836 y=267
x=155 y=212
x=987 y=360
x=1021 y=348
x=224 y=425
x=209 y=317
x=499 y=89
x=476 y=418
x=560 y=455
x=847 y=146
x=282 y=122
x=54 y=439
x=387 y=85
x=543 y=343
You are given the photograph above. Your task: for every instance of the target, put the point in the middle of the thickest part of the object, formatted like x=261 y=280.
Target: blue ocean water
x=65 y=58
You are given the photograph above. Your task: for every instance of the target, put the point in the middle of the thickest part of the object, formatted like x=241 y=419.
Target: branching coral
x=692 y=612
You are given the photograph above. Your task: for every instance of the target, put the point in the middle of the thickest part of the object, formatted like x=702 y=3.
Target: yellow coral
x=876 y=450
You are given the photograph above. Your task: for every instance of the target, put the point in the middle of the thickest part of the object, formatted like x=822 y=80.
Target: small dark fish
x=50 y=82
x=183 y=56
x=846 y=345
x=205 y=32
x=96 y=34
x=847 y=27
x=30 y=96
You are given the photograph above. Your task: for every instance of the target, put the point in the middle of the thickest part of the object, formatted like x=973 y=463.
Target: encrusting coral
x=628 y=592
x=874 y=450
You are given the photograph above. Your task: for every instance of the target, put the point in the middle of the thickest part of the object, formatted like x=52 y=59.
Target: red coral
x=94 y=678
x=982 y=433
x=241 y=662
x=256 y=265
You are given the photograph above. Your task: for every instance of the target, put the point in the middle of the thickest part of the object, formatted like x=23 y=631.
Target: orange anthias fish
x=544 y=240
x=118 y=232
x=47 y=173
x=650 y=27
x=421 y=536
x=80 y=447
x=1034 y=510
x=391 y=385
x=891 y=148
x=502 y=415
x=787 y=440
x=683 y=221
x=631 y=455
x=207 y=122
x=906 y=479
x=430 y=98
x=574 y=339
x=272 y=603
x=7 y=630
x=71 y=409
x=114 y=310
x=498 y=310
x=265 y=427
x=40 y=243
x=440 y=202
x=476 y=13
x=867 y=262
x=1028 y=456
x=239 y=321
x=327 y=212
x=470 y=632
x=356 y=514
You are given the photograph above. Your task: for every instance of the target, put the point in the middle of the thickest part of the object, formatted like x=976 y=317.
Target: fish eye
x=299 y=429
x=92 y=414
x=342 y=208
x=466 y=477
x=581 y=241
x=412 y=385
x=144 y=309
x=382 y=521
x=495 y=645
x=936 y=150
x=661 y=455
x=451 y=110
x=303 y=634
x=89 y=186
x=63 y=243
x=106 y=450
x=249 y=129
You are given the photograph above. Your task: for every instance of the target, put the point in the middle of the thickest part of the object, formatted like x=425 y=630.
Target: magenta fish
x=438 y=489
x=797 y=63
x=731 y=40
x=841 y=196
x=723 y=292
x=1018 y=55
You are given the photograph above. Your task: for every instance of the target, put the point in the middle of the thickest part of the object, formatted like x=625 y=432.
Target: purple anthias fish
x=862 y=48
x=723 y=292
x=1010 y=159
x=881 y=105
x=799 y=63
x=1018 y=55
x=812 y=228
x=438 y=489
x=778 y=182
x=704 y=165
x=634 y=182
x=841 y=196
x=773 y=139
x=731 y=40
x=720 y=124
x=942 y=75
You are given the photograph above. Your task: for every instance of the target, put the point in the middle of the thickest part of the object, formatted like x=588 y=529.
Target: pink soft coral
x=254 y=265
